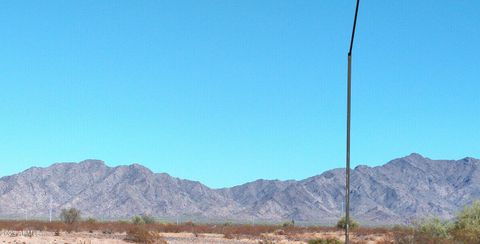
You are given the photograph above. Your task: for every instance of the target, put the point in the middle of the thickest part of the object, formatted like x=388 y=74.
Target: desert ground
x=96 y=237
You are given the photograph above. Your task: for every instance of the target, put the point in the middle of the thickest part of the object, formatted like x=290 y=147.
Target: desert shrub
x=138 y=220
x=434 y=229
x=90 y=221
x=141 y=235
x=398 y=238
x=403 y=235
x=324 y=241
x=70 y=216
x=228 y=236
x=289 y=224
x=279 y=232
x=147 y=219
x=28 y=233
x=467 y=225
x=341 y=224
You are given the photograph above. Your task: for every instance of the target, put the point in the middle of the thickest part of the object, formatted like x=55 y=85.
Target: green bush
x=467 y=225
x=70 y=216
x=143 y=219
x=433 y=231
x=341 y=224
x=465 y=229
x=148 y=219
x=288 y=224
x=435 y=228
x=138 y=220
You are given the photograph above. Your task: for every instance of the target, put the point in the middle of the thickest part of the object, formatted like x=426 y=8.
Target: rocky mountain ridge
x=400 y=191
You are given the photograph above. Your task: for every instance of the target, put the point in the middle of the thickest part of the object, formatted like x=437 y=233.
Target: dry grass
x=228 y=231
x=148 y=233
x=140 y=235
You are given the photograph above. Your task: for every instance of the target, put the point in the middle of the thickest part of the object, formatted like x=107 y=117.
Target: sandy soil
x=43 y=237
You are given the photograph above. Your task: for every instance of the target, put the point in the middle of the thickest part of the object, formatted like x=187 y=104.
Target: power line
x=353 y=30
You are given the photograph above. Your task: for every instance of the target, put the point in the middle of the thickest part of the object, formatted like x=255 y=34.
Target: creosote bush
x=142 y=235
x=143 y=219
x=341 y=224
x=434 y=229
x=137 y=220
x=466 y=228
x=289 y=223
x=148 y=219
x=70 y=216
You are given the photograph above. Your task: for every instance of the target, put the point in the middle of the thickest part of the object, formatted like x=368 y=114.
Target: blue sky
x=230 y=91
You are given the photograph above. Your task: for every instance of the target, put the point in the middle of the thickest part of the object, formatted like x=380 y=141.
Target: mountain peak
x=140 y=168
x=412 y=160
x=469 y=159
x=92 y=162
x=415 y=156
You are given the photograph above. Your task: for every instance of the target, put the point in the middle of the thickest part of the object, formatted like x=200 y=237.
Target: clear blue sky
x=230 y=91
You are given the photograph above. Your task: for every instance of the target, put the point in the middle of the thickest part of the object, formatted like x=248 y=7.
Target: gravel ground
x=44 y=237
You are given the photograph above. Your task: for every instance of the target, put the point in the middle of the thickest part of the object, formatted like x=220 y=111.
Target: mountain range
x=400 y=191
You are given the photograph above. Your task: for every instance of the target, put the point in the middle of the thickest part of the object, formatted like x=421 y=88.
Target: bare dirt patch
x=46 y=237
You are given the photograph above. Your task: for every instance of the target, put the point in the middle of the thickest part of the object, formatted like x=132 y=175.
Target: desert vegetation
x=464 y=229
x=352 y=224
x=70 y=216
x=141 y=231
x=143 y=219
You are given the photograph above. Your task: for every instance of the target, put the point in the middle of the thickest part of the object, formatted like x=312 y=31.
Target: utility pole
x=349 y=101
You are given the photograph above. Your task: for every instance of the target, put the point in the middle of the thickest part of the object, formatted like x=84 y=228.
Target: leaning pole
x=349 y=101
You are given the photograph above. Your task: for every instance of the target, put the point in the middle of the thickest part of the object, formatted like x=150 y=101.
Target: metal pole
x=349 y=108
x=347 y=180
